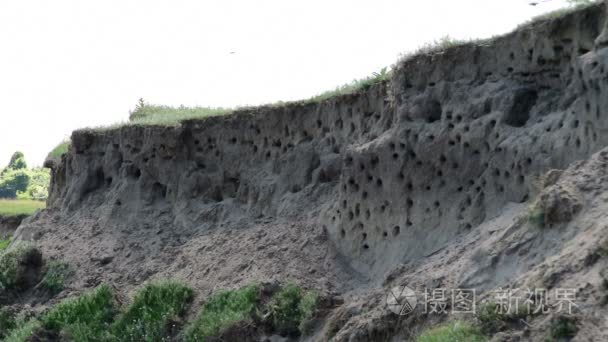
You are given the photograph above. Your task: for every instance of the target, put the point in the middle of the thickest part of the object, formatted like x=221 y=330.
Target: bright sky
x=68 y=64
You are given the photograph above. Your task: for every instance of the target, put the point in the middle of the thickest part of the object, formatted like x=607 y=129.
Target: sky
x=69 y=64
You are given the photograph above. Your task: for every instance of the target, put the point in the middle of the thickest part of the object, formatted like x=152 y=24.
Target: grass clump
x=4 y=243
x=23 y=332
x=56 y=275
x=154 y=309
x=59 y=150
x=492 y=319
x=84 y=318
x=14 y=263
x=536 y=215
x=562 y=329
x=9 y=207
x=452 y=332
x=7 y=321
x=223 y=310
x=291 y=309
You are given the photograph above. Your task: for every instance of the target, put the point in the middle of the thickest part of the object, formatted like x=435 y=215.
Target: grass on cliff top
x=59 y=150
x=19 y=207
x=151 y=114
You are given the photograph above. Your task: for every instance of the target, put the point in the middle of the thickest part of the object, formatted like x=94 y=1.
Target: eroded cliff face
x=445 y=145
x=347 y=190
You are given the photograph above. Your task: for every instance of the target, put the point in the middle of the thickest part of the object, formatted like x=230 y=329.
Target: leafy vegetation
x=4 y=243
x=23 y=332
x=152 y=312
x=84 y=318
x=492 y=319
x=562 y=328
x=291 y=309
x=17 y=181
x=7 y=321
x=19 y=207
x=536 y=215
x=59 y=150
x=221 y=311
x=13 y=262
x=56 y=276
x=452 y=332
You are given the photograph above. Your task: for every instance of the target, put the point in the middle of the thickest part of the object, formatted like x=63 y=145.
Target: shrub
x=223 y=310
x=56 y=275
x=291 y=309
x=452 y=332
x=7 y=321
x=492 y=320
x=153 y=309
x=84 y=318
x=562 y=328
x=15 y=263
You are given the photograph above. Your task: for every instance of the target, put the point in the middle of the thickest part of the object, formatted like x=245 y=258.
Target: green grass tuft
x=4 y=243
x=291 y=309
x=353 y=87
x=154 y=309
x=19 y=207
x=562 y=328
x=452 y=332
x=24 y=332
x=56 y=275
x=13 y=264
x=7 y=321
x=84 y=318
x=223 y=310
x=536 y=215
x=59 y=150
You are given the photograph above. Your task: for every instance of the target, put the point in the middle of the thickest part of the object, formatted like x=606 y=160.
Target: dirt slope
x=425 y=180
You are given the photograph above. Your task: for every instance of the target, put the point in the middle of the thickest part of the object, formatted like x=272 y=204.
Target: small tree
x=17 y=161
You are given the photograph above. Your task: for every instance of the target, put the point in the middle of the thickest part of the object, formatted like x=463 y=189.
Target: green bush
x=223 y=310
x=84 y=318
x=13 y=182
x=452 y=332
x=56 y=276
x=562 y=328
x=153 y=309
x=492 y=320
x=291 y=309
x=14 y=263
x=7 y=321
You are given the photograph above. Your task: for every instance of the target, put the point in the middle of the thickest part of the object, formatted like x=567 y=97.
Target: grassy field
x=59 y=150
x=19 y=207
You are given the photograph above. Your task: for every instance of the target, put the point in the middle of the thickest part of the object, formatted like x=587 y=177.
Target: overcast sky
x=67 y=64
